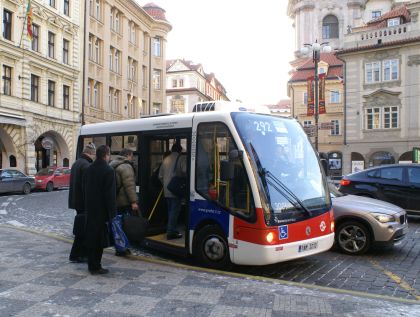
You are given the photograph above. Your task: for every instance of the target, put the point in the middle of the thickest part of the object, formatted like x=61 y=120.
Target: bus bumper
x=246 y=253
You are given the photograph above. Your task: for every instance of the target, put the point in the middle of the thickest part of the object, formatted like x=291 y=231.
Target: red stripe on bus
x=258 y=232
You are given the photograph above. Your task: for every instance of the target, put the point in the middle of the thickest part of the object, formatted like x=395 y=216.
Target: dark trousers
x=94 y=258
x=174 y=208
x=78 y=249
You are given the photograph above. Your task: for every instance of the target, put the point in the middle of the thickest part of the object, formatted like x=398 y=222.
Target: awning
x=16 y=120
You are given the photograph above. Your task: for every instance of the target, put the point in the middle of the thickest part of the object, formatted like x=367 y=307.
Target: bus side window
x=214 y=143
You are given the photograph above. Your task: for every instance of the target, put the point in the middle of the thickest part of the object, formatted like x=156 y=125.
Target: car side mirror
x=227 y=170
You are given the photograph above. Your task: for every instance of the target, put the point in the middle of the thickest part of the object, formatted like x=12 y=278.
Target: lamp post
x=316 y=56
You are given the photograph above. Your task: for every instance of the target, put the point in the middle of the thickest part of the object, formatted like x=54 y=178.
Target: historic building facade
x=40 y=83
x=331 y=124
x=125 y=65
x=382 y=65
x=187 y=84
x=329 y=21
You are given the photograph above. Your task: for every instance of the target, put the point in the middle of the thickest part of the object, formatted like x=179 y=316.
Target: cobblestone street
x=391 y=272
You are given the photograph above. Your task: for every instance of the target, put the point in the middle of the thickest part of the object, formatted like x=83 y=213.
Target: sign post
x=416 y=154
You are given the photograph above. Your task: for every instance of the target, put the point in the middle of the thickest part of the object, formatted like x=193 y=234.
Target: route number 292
x=262 y=126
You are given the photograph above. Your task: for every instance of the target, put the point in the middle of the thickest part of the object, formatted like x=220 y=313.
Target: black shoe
x=99 y=271
x=173 y=235
x=78 y=259
x=123 y=253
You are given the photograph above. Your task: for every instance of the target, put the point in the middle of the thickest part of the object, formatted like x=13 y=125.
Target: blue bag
x=121 y=242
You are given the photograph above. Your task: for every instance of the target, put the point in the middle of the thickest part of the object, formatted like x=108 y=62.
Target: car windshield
x=284 y=152
x=45 y=172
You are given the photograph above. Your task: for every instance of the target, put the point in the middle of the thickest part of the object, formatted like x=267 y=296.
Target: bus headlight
x=269 y=237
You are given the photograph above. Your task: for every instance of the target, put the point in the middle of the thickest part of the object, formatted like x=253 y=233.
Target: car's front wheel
x=353 y=237
x=50 y=187
x=26 y=188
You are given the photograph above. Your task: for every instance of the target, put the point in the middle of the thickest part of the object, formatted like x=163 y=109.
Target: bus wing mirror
x=235 y=154
x=227 y=170
x=324 y=165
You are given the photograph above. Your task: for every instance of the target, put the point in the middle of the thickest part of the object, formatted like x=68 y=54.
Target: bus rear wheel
x=211 y=248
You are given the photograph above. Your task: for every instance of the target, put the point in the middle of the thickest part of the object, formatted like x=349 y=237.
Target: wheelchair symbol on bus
x=284 y=232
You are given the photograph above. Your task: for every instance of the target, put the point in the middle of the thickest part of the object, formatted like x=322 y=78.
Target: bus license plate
x=308 y=246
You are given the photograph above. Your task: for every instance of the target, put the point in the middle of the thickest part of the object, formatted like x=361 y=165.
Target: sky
x=247 y=44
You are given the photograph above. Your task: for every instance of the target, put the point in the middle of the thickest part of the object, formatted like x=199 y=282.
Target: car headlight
x=383 y=218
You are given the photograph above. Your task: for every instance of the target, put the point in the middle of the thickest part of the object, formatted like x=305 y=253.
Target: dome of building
x=155 y=11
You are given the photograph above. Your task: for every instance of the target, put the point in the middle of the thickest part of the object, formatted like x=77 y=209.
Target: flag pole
x=23 y=25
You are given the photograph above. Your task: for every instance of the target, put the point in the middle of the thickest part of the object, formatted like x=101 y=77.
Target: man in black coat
x=100 y=205
x=78 y=251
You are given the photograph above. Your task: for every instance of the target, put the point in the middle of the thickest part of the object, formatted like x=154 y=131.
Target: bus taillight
x=269 y=237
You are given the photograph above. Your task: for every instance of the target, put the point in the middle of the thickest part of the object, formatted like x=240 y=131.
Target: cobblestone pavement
x=392 y=272
x=37 y=280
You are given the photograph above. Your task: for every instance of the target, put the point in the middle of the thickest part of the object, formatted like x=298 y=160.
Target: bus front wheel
x=211 y=248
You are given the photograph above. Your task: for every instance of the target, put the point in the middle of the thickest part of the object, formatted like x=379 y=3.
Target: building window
x=51 y=93
x=117 y=61
x=51 y=3
x=66 y=97
x=382 y=118
x=66 y=9
x=305 y=98
x=390 y=118
x=34 y=88
x=51 y=38
x=133 y=32
x=133 y=70
x=95 y=9
x=390 y=69
x=156 y=108
x=307 y=123
x=335 y=96
x=393 y=22
x=7 y=25
x=111 y=59
x=335 y=127
x=174 y=83
x=35 y=37
x=156 y=79
x=373 y=72
x=373 y=118
x=181 y=83
x=144 y=74
x=376 y=14
x=116 y=102
x=156 y=46
x=7 y=80
x=66 y=45
x=96 y=88
x=330 y=27
x=117 y=22
x=97 y=55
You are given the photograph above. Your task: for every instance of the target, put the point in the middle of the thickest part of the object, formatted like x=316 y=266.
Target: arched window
x=12 y=161
x=330 y=27
x=381 y=158
x=65 y=162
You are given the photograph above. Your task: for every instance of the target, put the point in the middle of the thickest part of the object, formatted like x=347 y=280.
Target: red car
x=52 y=177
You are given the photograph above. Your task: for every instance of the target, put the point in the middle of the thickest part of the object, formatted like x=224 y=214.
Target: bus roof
x=148 y=123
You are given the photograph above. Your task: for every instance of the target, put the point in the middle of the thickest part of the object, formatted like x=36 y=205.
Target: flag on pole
x=29 y=20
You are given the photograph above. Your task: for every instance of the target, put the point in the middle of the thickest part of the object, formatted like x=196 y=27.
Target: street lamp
x=316 y=55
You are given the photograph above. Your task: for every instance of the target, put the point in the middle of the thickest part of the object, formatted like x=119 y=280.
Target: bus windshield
x=279 y=148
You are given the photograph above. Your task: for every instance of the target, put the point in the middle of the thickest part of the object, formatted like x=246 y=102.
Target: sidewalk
x=36 y=280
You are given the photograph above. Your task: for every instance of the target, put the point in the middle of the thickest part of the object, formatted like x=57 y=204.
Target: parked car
x=398 y=184
x=362 y=222
x=52 y=177
x=13 y=180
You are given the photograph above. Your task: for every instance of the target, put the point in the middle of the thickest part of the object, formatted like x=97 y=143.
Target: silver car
x=13 y=180
x=361 y=222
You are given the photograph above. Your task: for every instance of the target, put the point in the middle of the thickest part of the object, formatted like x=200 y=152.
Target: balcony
x=366 y=37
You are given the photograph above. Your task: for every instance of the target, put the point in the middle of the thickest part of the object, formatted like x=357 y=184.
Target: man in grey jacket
x=173 y=202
